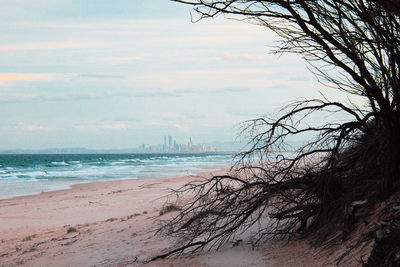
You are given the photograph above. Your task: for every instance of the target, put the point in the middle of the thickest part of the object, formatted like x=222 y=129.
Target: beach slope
x=112 y=224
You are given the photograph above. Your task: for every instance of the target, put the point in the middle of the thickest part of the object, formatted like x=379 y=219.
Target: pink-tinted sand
x=115 y=224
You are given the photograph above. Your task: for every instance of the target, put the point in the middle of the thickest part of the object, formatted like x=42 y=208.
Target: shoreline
x=105 y=215
x=112 y=223
x=70 y=184
x=104 y=185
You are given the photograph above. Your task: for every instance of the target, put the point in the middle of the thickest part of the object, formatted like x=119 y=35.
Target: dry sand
x=115 y=224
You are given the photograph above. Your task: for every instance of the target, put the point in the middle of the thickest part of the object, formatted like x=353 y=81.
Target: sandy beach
x=112 y=224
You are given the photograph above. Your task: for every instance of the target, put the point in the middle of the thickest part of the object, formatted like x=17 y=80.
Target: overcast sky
x=116 y=74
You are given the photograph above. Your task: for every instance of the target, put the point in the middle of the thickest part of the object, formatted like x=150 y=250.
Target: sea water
x=31 y=174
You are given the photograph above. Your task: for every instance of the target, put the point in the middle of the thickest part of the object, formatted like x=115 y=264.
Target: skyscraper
x=170 y=141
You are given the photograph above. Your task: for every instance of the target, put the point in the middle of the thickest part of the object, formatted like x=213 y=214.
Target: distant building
x=171 y=146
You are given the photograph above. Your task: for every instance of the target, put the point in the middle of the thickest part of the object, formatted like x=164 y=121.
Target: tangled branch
x=312 y=190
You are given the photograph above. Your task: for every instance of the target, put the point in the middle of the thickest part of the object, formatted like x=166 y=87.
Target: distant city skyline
x=218 y=147
x=171 y=146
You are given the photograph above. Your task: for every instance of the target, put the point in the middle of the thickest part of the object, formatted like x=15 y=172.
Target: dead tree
x=351 y=45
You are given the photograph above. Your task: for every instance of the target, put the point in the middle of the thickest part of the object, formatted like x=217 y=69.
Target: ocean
x=32 y=174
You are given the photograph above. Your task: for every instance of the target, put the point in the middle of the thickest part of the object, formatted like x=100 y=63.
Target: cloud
x=100 y=76
x=117 y=126
x=127 y=119
x=242 y=57
x=185 y=92
x=279 y=86
x=24 y=127
x=194 y=115
x=23 y=97
x=177 y=126
x=235 y=90
x=251 y=112
x=11 y=77
x=120 y=60
x=202 y=74
x=158 y=123
x=169 y=117
x=184 y=128
x=100 y=127
x=49 y=45
x=158 y=93
x=7 y=78
x=32 y=98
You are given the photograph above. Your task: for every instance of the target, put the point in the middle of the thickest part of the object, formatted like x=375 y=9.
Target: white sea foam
x=61 y=163
x=53 y=172
x=74 y=161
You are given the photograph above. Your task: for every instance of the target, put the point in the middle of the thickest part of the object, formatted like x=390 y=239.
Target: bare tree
x=351 y=45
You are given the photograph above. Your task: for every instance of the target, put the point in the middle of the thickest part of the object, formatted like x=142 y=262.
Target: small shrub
x=145 y=212
x=111 y=219
x=169 y=208
x=31 y=249
x=71 y=230
x=28 y=238
x=133 y=215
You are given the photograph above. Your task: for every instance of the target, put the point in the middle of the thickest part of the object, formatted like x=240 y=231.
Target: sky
x=115 y=74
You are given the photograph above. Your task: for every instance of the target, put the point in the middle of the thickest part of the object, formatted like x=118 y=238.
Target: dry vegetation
x=330 y=185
